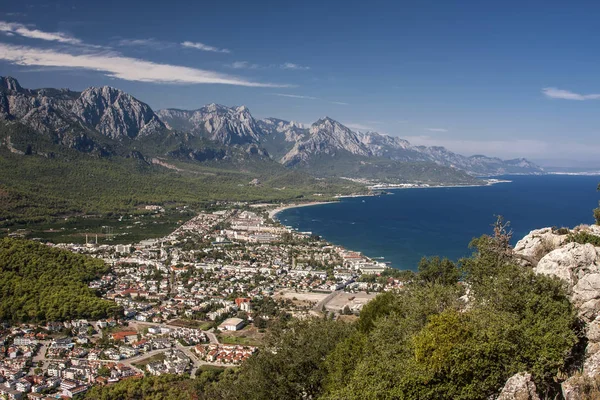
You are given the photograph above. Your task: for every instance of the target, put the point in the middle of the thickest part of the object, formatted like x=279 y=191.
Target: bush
x=583 y=237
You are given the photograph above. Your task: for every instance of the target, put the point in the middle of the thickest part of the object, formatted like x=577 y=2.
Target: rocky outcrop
x=226 y=125
x=115 y=113
x=538 y=243
x=326 y=136
x=68 y=117
x=289 y=131
x=519 y=387
x=578 y=265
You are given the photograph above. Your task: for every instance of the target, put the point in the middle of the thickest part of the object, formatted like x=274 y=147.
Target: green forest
x=457 y=331
x=168 y=387
x=42 y=190
x=39 y=283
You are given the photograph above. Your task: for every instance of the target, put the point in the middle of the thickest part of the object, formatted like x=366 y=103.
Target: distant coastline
x=589 y=173
x=273 y=213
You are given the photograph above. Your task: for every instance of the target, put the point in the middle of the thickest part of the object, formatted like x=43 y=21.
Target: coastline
x=273 y=213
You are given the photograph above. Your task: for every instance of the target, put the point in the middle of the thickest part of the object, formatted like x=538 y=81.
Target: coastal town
x=201 y=297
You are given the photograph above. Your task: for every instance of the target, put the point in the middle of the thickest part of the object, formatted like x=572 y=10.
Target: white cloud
x=437 y=130
x=118 y=66
x=150 y=42
x=203 y=47
x=11 y=28
x=243 y=65
x=297 y=96
x=289 y=65
x=555 y=93
x=248 y=65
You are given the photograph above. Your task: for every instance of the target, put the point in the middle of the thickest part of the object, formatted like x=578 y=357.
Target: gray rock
x=115 y=113
x=326 y=136
x=539 y=242
x=519 y=387
x=571 y=263
x=227 y=125
x=570 y=389
x=67 y=117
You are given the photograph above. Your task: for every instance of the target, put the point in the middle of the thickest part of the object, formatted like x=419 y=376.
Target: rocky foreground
x=550 y=252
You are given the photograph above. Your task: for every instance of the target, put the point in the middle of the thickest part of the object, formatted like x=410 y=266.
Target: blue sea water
x=411 y=223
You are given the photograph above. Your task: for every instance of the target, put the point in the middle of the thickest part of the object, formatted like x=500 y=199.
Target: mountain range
x=109 y=122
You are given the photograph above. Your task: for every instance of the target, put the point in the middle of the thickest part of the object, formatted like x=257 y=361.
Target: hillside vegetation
x=43 y=189
x=39 y=283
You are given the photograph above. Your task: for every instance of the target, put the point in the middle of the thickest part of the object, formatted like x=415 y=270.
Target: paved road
x=40 y=356
x=323 y=303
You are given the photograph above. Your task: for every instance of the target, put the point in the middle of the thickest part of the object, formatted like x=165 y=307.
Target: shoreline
x=273 y=213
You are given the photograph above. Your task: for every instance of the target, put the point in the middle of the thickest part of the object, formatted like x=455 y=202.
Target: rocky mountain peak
x=9 y=83
x=326 y=136
x=227 y=125
x=115 y=113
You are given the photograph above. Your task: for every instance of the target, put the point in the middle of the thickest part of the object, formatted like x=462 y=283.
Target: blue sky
x=509 y=79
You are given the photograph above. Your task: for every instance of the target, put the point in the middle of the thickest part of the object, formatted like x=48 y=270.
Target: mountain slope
x=278 y=136
x=215 y=122
x=293 y=145
x=92 y=121
x=326 y=136
x=115 y=114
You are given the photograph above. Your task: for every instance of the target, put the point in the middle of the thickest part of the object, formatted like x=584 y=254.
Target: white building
x=232 y=324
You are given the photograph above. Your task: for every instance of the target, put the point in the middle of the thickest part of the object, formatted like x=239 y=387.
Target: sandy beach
x=279 y=209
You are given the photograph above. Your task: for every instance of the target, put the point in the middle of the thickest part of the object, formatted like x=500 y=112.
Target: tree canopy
x=39 y=283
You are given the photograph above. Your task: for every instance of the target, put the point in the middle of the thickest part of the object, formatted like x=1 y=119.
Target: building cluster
x=212 y=270
x=225 y=354
x=174 y=362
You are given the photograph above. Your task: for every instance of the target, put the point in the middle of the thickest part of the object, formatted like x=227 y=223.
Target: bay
x=408 y=224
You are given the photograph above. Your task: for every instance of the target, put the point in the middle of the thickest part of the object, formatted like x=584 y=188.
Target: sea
x=407 y=224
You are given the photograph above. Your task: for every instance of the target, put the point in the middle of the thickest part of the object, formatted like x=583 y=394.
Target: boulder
x=539 y=242
x=571 y=388
x=593 y=331
x=571 y=263
x=519 y=387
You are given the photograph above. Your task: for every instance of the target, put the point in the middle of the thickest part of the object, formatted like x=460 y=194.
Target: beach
x=275 y=211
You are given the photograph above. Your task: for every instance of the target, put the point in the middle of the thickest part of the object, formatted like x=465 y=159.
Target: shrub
x=583 y=237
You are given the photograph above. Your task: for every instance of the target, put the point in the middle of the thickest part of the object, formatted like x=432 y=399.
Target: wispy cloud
x=12 y=28
x=203 y=47
x=121 y=67
x=297 y=96
x=555 y=93
x=289 y=65
x=162 y=45
x=249 y=65
x=437 y=130
x=243 y=65
x=150 y=42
